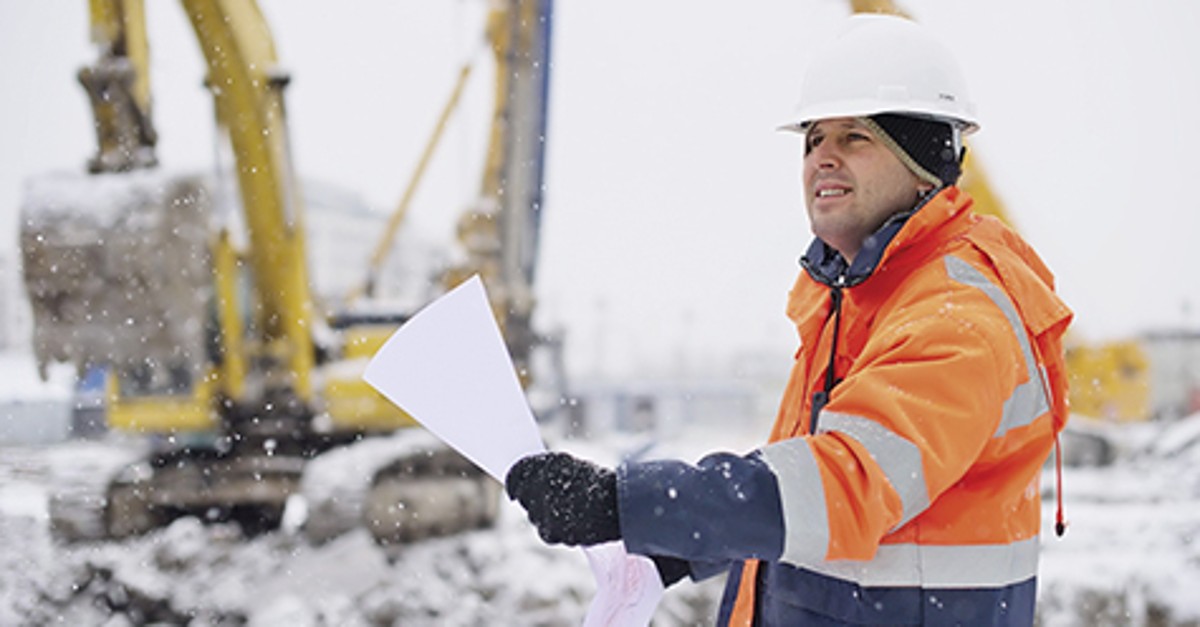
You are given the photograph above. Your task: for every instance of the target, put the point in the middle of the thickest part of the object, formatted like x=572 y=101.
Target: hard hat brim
x=802 y=119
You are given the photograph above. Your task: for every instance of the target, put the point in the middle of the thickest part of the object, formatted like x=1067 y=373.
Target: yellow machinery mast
x=501 y=234
x=383 y=246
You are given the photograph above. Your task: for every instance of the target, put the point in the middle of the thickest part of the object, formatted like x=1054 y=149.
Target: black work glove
x=569 y=500
x=670 y=569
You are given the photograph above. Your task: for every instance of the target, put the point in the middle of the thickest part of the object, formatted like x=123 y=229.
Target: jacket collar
x=827 y=266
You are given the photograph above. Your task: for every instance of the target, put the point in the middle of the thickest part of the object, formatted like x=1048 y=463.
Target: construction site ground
x=1131 y=555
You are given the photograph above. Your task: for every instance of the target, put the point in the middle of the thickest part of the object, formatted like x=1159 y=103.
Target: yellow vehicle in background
x=1110 y=381
x=201 y=310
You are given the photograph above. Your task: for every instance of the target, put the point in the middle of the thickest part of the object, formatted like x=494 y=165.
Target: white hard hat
x=884 y=64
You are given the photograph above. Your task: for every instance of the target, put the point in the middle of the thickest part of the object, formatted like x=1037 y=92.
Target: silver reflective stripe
x=899 y=458
x=802 y=494
x=1028 y=400
x=940 y=566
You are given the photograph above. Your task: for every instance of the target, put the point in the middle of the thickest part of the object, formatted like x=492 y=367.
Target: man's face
x=853 y=183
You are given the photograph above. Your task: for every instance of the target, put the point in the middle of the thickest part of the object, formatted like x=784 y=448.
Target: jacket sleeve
x=726 y=507
x=930 y=388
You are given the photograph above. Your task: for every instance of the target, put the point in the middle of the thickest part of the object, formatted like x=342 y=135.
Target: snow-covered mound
x=1130 y=556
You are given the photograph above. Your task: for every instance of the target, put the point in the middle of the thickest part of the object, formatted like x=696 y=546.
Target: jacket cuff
x=725 y=508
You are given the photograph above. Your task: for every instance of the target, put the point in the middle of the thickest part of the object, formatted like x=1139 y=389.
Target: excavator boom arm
x=247 y=88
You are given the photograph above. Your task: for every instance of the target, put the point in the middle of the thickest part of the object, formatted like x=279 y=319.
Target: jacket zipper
x=820 y=398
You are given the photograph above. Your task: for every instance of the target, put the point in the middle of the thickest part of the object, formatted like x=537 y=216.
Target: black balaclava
x=926 y=146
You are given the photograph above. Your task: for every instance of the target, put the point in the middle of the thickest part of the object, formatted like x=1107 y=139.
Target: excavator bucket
x=118 y=272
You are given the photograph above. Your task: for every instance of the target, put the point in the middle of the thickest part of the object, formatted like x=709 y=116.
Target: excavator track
x=78 y=506
x=428 y=496
x=403 y=489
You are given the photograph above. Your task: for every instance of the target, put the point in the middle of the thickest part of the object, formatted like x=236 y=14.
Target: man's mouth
x=828 y=192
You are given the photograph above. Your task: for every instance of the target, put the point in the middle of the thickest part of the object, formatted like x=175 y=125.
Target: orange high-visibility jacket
x=914 y=498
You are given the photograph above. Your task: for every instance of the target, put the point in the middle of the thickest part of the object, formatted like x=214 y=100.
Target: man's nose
x=824 y=156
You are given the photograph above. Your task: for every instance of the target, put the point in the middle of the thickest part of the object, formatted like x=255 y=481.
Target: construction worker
x=900 y=484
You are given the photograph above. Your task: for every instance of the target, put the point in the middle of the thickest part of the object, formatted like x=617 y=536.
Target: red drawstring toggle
x=1060 y=523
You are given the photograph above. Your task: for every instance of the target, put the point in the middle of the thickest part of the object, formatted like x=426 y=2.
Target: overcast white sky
x=674 y=216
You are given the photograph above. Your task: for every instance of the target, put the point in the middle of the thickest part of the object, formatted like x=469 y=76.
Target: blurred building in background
x=1174 y=372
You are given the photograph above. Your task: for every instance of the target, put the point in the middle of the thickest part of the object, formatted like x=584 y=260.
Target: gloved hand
x=670 y=569
x=569 y=500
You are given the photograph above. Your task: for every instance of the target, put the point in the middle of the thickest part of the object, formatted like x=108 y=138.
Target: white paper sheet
x=627 y=587
x=449 y=369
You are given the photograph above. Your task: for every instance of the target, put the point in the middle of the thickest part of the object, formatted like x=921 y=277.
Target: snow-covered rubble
x=1130 y=557
x=195 y=574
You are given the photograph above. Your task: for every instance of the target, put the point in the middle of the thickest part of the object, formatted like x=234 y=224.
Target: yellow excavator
x=198 y=303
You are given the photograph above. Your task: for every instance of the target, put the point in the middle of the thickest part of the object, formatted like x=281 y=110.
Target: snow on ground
x=1130 y=557
x=211 y=575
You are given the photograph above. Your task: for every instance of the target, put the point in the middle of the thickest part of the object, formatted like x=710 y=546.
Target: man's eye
x=856 y=137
